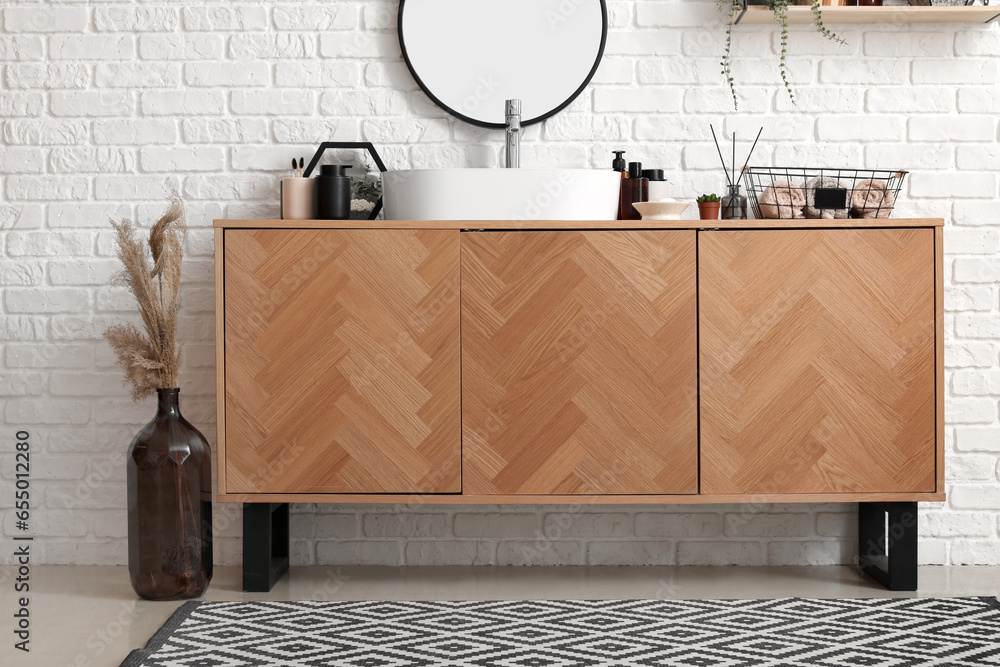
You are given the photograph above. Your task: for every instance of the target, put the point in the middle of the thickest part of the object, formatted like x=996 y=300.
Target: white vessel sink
x=501 y=194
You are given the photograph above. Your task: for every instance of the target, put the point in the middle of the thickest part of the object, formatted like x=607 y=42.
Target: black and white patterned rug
x=882 y=632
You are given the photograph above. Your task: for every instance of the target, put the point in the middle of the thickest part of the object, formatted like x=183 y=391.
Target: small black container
x=333 y=192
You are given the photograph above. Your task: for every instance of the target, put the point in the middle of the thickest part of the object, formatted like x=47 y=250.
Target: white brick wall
x=104 y=106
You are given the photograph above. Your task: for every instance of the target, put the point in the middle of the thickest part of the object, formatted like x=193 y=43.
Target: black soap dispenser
x=333 y=192
x=618 y=164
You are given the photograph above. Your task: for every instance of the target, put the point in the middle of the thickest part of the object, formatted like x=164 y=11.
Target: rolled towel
x=821 y=182
x=871 y=198
x=782 y=199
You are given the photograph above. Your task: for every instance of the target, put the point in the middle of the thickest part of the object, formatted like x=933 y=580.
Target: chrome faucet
x=512 y=113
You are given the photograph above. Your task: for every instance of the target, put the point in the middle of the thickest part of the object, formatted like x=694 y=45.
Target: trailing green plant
x=780 y=9
x=734 y=6
x=820 y=27
x=706 y=199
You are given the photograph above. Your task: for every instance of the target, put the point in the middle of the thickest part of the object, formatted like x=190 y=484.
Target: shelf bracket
x=887 y=544
x=742 y=13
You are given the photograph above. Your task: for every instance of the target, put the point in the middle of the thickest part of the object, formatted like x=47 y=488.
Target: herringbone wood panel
x=817 y=361
x=578 y=362
x=342 y=361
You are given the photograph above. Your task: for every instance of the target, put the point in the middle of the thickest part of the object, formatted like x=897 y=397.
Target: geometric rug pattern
x=882 y=632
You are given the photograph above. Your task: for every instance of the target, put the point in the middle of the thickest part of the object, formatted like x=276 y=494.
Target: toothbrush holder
x=298 y=199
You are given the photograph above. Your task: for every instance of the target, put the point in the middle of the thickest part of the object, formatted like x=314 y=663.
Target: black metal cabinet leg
x=265 y=545
x=887 y=544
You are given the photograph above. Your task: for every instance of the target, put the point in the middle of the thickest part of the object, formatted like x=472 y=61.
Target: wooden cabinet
x=817 y=360
x=568 y=362
x=341 y=361
x=579 y=362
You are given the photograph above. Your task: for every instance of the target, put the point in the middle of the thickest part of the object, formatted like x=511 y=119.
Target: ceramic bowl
x=661 y=210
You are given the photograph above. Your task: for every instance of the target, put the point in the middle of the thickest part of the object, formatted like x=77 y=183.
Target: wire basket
x=817 y=193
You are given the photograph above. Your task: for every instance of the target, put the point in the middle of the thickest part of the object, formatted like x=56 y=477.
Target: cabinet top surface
x=535 y=225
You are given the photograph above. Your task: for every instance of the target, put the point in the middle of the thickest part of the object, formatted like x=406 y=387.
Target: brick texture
x=106 y=106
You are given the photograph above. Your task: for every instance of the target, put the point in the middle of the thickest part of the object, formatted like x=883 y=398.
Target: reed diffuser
x=734 y=204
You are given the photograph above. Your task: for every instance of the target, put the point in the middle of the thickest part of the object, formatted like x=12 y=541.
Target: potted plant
x=780 y=9
x=708 y=206
x=169 y=467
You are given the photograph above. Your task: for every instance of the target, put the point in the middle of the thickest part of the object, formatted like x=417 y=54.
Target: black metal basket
x=818 y=193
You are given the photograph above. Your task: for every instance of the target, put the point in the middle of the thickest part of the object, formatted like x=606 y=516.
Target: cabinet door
x=817 y=361
x=342 y=361
x=578 y=362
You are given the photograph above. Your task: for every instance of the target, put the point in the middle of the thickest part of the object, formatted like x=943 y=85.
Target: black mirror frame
x=500 y=126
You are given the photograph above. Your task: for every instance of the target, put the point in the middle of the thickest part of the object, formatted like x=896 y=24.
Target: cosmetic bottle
x=333 y=192
x=658 y=186
x=635 y=188
x=618 y=164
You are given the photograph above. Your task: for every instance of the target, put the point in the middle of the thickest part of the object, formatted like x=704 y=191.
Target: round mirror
x=470 y=56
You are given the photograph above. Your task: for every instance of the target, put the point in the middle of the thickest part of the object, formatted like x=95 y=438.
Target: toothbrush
x=295 y=173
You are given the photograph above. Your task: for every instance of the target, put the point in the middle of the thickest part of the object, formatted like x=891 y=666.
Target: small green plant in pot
x=780 y=9
x=708 y=207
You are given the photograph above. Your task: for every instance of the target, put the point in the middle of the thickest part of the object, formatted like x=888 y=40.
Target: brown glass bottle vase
x=169 y=506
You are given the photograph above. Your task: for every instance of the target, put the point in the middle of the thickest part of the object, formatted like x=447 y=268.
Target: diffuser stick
x=721 y=159
x=751 y=152
x=732 y=166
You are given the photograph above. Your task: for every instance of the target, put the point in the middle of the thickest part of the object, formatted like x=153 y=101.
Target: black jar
x=333 y=192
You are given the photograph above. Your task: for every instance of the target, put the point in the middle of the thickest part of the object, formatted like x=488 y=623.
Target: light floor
x=89 y=616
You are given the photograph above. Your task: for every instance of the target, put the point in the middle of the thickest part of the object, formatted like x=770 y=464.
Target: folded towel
x=821 y=182
x=871 y=199
x=782 y=199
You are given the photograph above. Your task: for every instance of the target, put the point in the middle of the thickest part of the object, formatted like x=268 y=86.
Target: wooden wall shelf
x=759 y=14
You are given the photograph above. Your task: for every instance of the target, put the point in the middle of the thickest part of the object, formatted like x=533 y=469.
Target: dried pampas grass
x=150 y=360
